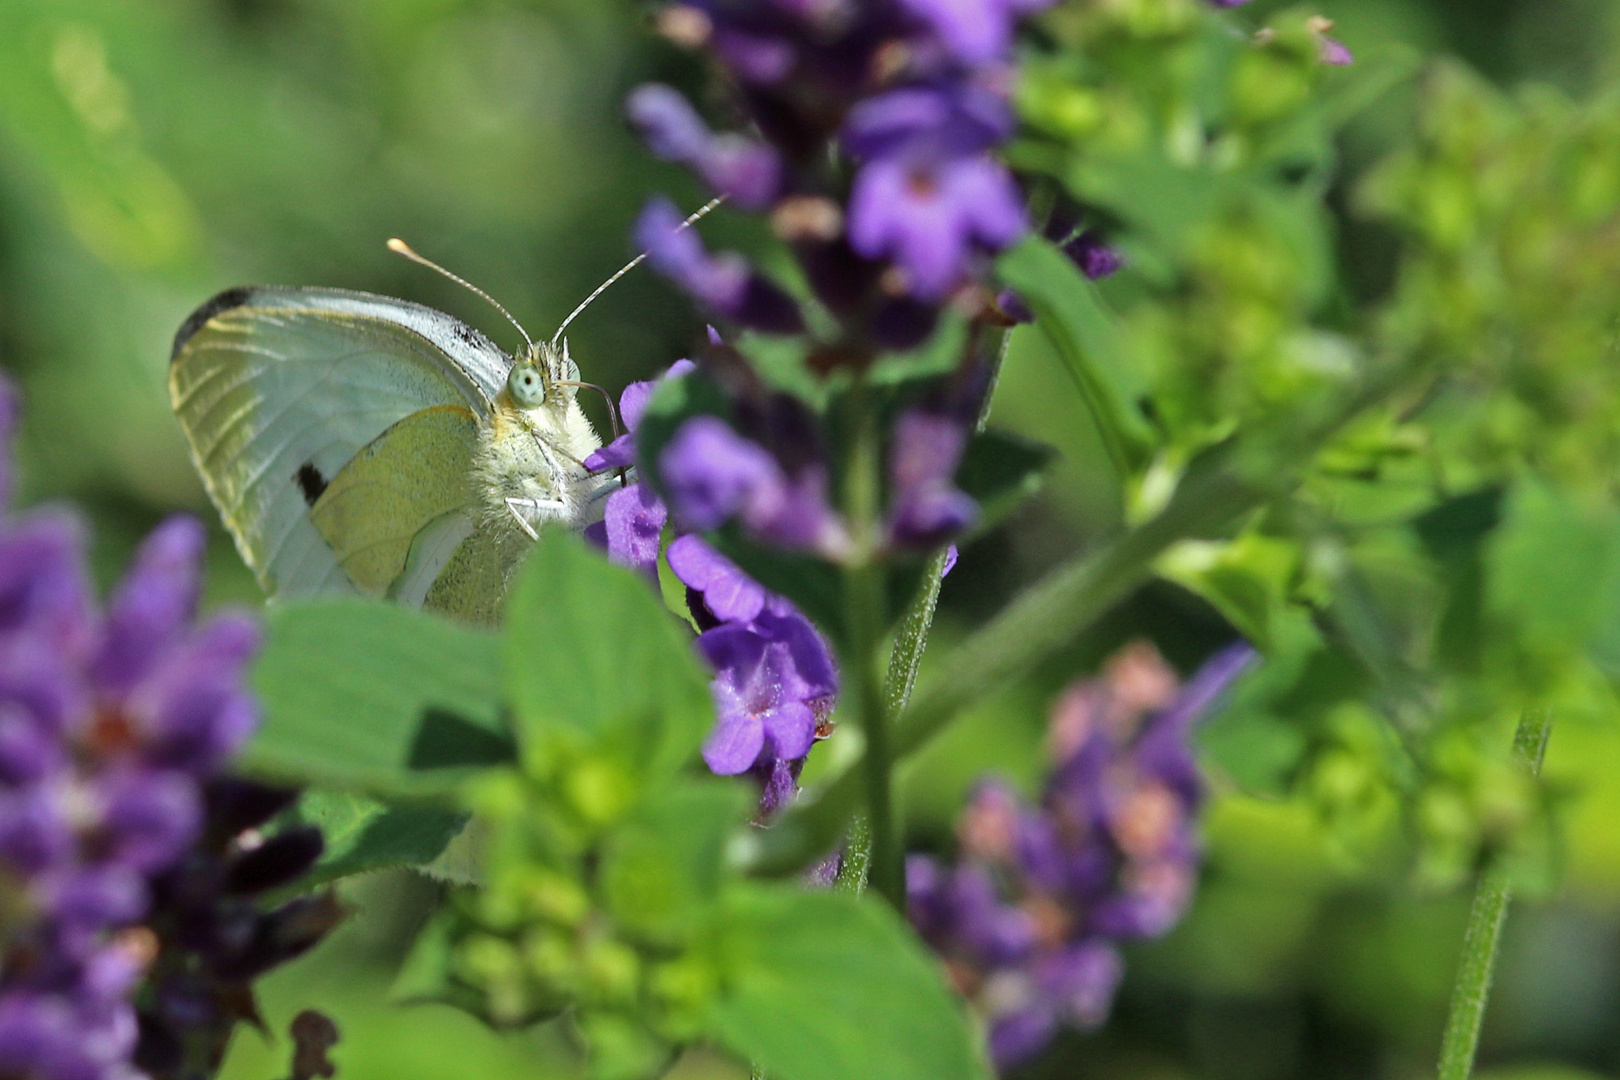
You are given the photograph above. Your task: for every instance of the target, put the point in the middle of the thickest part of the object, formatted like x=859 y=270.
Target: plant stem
x=865 y=581
x=1473 y=986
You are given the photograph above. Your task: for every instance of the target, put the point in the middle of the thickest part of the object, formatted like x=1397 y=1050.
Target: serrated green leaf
x=1071 y=314
x=375 y=697
x=590 y=651
x=875 y=1003
x=363 y=833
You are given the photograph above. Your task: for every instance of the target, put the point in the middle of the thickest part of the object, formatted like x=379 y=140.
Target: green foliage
x=374 y=697
x=364 y=834
x=893 y=1015
x=591 y=660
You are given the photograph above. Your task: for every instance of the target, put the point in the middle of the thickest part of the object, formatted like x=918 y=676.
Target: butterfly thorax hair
x=530 y=462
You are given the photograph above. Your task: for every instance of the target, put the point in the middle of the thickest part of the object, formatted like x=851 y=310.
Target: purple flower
x=1095 y=258
x=977 y=31
x=929 y=217
x=726 y=593
x=925 y=507
x=767 y=675
x=724 y=283
x=633 y=521
x=748 y=172
x=712 y=475
x=1027 y=922
x=112 y=726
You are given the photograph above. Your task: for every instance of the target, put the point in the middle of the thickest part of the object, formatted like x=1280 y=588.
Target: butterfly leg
x=530 y=511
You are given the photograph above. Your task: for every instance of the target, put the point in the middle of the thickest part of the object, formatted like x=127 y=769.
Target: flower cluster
x=114 y=728
x=214 y=938
x=876 y=120
x=774 y=678
x=1029 y=919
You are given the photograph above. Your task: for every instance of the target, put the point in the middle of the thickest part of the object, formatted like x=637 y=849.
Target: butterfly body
x=361 y=444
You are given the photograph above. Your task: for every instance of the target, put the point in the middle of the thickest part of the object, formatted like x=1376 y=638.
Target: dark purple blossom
x=1093 y=255
x=928 y=217
x=1028 y=920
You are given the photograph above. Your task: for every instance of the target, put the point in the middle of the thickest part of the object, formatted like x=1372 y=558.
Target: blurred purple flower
x=748 y=172
x=723 y=283
x=926 y=508
x=930 y=216
x=110 y=727
x=1095 y=258
x=1028 y=920
x=977 y=31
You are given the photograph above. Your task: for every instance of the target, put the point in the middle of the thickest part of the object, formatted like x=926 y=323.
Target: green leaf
x=1071 y=314
x=591 y=651
x=662 y=868
x=1000 y=471
x=1550 y=567
x=363 y=833
x=376 y=697
x=871 y=1001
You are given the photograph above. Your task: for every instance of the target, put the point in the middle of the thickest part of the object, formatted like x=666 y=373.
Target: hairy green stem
x=865 y=581
x=1472 y=989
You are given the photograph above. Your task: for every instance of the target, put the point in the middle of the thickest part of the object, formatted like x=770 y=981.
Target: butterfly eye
x=526 y=385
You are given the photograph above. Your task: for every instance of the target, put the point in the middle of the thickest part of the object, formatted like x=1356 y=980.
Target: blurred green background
x=153 y=152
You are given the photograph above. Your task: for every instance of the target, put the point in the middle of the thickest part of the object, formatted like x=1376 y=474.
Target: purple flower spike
x=928 y=218
x=1028 y=922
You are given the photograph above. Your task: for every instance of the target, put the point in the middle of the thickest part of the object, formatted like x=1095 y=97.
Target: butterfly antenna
x=400 y=247
x=697 y=215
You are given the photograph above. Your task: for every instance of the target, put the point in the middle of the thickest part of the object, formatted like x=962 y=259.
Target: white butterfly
x=357 y=443
x=361 y=444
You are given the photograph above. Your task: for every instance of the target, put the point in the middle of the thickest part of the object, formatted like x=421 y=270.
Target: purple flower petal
x=672 y=128
x=711 y=473
x=790 y=730
x=728 y=592
x=192 y=713
x=734 y=744
x=927 y=218
x=153 y=606
x=633 y=520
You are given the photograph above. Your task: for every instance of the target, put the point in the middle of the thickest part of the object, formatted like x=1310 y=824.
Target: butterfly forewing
x=278 y=390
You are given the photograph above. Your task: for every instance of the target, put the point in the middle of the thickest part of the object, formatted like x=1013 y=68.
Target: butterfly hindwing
x=280 y=389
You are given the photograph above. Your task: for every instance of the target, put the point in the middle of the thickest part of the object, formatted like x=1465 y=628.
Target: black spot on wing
x=225 y=301
x=310 y=482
